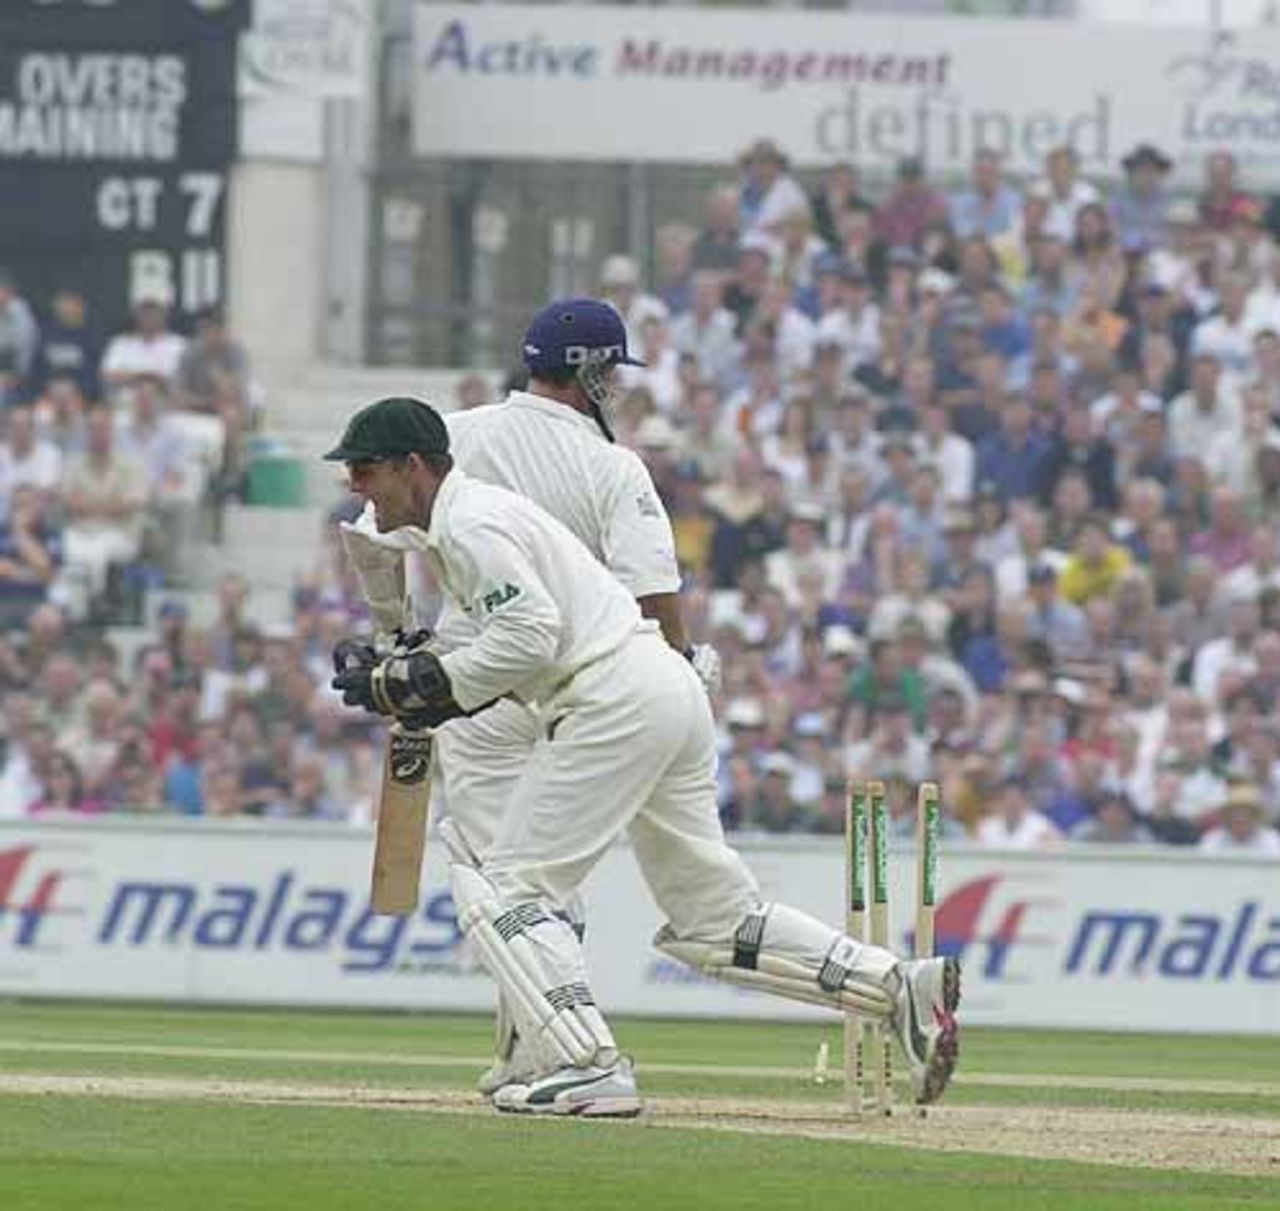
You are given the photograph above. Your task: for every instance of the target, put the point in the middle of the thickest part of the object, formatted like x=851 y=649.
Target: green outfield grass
x=64 y=1152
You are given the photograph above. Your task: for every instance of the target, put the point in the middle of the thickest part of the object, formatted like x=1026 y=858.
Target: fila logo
x=498 y=597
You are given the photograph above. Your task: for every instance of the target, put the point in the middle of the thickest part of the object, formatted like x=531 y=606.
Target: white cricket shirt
x=543 y=606
x=561 y=461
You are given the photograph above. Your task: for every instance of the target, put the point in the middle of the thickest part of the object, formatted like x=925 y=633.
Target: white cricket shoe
x=924 y=1021
x=590 y=1092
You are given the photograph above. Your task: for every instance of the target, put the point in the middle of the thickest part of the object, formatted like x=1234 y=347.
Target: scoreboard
x=118 y=129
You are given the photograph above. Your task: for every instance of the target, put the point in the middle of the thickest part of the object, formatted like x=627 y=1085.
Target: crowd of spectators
x=980 y=487
x=976 y=486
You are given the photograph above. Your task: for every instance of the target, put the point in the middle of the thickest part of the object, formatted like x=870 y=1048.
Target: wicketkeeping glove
x=408 y=685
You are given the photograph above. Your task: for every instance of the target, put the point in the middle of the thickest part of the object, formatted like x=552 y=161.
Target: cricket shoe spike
x=590 y=1092
x=925 y=1023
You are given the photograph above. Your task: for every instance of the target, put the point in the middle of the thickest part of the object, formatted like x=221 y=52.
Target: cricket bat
x=402 y=821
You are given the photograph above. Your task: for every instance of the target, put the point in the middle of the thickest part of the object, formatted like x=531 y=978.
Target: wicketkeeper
x=626 y=743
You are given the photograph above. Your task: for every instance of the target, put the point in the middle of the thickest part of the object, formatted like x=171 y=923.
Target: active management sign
x=619 y=84
x=187 y=911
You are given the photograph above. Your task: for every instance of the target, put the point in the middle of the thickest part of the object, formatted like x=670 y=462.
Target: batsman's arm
x=665 y=609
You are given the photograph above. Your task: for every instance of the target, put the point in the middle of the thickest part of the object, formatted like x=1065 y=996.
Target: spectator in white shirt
x=1204 y=410
x=794 y=332
x=855 y=323
x=1064 y=191
x=1228 y=656
x=769 y=193
x=150 y=348
x=660 y=373
x=144 y=433
x=26 y=458
x=1262 y=308
x=1262 y=572
x=951 y=455
x=1228 y=333
x=706 y=330
x=1013 y=823
x=1244 y=827
x=620 y=288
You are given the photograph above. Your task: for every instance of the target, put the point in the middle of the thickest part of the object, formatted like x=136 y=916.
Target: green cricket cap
x=392 y=428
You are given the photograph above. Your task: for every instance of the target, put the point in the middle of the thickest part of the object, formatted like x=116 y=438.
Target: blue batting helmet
x=570 y=333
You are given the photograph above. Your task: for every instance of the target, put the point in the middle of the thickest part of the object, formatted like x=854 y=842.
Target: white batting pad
x=787 y=952
x=536 y=960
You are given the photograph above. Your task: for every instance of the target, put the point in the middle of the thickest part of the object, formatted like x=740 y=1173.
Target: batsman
x=625 y=743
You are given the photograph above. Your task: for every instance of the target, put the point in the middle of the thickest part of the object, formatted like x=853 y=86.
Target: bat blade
x=402 y=822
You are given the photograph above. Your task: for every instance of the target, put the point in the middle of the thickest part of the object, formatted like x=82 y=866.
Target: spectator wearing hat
x=1244 y=827
x=620 y=287
x=1138 y=207
x=769 y=192
x=911 y=208
x=988 y=206
x=716 y=246
x=19 y=339
x=1177 y=264
x=148 y=347
x=1013 y=823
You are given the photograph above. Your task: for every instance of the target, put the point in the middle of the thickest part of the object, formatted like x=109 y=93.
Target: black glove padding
x=412 y=687
x=353 y=664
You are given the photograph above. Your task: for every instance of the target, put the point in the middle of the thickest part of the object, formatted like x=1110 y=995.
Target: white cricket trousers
x=628 y=745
